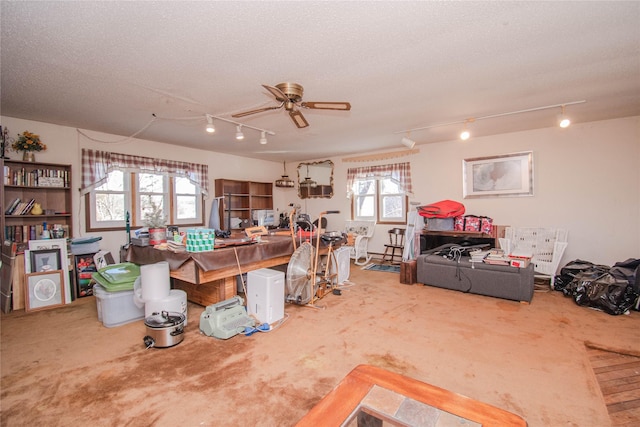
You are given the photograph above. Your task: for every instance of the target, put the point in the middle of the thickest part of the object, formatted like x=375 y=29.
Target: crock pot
x=164 y=329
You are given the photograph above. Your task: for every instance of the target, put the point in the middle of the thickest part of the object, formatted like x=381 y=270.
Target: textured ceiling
x=110 y=66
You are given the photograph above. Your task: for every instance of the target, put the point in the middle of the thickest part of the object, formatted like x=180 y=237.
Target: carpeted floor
x=62 y=367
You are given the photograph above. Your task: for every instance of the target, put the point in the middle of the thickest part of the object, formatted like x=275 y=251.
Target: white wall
x=64 y=146
x=586 y=179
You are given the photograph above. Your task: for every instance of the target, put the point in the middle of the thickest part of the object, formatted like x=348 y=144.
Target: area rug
x=383 y=267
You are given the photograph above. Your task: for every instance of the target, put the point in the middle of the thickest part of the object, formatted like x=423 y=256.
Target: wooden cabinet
x=239 y=199
x=47 y=184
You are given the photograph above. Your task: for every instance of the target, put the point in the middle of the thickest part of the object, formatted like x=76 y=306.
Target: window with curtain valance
x=400 y=173
x=96 y=166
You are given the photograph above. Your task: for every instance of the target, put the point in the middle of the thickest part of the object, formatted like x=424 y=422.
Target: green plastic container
x=117 y=277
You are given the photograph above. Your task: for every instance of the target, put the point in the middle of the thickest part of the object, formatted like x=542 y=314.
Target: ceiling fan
x=290 y=96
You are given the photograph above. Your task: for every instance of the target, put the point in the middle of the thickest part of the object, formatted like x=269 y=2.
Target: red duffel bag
x=442 y=209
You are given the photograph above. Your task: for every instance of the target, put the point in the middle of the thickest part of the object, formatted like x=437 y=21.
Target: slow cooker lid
x=164 y=319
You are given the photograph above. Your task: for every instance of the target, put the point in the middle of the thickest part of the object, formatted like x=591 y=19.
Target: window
x=380 y=192
x=117 y=184
x=380 y=200
x=110 y=202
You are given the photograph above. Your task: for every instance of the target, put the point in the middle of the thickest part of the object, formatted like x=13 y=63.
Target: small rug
x=383 y=267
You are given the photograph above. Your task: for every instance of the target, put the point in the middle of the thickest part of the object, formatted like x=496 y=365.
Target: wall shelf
x=239 y=199
x=48 y=184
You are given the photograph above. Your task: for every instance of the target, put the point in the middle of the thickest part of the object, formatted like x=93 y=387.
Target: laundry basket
x=546 y=245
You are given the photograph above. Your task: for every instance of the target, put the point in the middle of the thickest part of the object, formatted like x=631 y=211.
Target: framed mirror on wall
x=315 y=180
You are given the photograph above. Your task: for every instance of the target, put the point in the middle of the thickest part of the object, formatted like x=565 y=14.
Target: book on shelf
x=12 y=206
x=27 y=207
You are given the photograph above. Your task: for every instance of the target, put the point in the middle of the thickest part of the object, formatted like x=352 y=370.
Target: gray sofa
x=499 y=281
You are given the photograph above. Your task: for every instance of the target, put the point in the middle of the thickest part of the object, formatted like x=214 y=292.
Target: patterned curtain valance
x=96 y=166
x=398 y=172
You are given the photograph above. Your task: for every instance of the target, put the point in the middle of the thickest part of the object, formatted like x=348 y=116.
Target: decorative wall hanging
x=508 y=175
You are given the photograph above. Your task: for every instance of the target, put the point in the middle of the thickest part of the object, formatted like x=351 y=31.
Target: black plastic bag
x=628 y=270
x=605 y=292
x=568 y=274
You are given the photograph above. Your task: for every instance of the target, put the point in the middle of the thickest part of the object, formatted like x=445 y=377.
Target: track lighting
x=409 y=143
x=239 y=126
x=563 y=121
x=210 y=128
x=465 y=134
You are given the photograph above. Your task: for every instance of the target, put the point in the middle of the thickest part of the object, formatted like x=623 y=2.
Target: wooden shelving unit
x=32 y=180
x=240 y=199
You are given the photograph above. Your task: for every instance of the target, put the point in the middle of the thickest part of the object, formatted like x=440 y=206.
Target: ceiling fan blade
x=298 y=119
x=277 y=93
x=343 y=106
x=259 y=110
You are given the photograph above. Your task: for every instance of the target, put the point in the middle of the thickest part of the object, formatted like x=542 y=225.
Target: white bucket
x=155 y=281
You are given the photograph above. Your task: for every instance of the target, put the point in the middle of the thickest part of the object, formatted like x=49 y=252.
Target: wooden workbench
x=210 y=277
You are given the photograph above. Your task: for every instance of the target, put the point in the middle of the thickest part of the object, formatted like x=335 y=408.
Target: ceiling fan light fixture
x=263 y=138
x=210 y=127
x=239 y=134
x=289 y=95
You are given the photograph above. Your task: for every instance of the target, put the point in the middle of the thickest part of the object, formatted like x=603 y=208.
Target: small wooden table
x=369 y=395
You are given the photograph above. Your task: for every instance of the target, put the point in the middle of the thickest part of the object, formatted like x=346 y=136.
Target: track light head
x=465 y=134
x=210 y=128
x=563 y=121
x=239 y=134
x=409 y=143
x=263 y=138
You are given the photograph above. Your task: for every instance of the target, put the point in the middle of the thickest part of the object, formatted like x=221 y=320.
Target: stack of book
x=478 y=255
x=497 y=257
x=18 y=207
x=175 y=246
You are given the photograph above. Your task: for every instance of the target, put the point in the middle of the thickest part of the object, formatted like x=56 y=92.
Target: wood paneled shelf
x=239 y=199
x=49 y=185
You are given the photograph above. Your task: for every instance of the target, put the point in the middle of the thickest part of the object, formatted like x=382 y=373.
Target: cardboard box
x=200 y=239
x=409 y=272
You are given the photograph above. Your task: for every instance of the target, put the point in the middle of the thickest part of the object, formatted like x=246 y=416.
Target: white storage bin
x=116 y=308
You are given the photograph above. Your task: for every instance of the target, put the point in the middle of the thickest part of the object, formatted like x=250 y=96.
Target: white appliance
x=343 y=259
x=265 y=295
x=264 y=217
x=176 y=302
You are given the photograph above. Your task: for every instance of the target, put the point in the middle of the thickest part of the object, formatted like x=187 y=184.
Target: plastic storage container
x=116 y=308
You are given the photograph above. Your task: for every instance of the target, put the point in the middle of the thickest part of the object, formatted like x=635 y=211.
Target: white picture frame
x=507 y=175
x=43 y=290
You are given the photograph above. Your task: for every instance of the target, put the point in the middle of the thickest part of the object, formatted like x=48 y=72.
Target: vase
x=157 y=236
x=29 y=156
